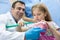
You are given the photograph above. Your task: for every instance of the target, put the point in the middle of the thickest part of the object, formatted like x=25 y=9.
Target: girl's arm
x=54 y=31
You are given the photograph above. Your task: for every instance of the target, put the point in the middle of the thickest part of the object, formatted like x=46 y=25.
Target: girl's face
x=38 y=15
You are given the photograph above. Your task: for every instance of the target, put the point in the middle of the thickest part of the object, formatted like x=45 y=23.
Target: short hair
x=13 y=5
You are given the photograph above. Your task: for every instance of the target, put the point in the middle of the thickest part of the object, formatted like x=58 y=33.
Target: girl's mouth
x=38 y=20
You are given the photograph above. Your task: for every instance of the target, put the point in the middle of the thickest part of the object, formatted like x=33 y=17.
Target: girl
x=41 y=13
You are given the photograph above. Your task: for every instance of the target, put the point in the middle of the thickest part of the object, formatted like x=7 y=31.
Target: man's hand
x=33 y=33
x=21 y=23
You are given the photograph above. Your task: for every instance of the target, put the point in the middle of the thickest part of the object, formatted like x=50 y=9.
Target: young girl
x=41 y=13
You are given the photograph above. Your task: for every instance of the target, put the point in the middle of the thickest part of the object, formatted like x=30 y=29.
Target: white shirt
x=7 y=35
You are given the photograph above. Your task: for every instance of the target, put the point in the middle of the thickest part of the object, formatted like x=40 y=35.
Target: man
x=8 y=23
x=8 y=20
x=12 y=17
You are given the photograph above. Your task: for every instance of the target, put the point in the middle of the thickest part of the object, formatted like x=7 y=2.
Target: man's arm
x=6 y=35
x=22 y=29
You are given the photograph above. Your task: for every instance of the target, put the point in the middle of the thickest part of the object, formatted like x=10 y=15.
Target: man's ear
x=12 y=9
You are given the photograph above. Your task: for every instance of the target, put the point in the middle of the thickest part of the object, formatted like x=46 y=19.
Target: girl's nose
x=36 y=16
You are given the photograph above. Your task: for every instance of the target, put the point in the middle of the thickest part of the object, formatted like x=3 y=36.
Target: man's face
x=18 y=11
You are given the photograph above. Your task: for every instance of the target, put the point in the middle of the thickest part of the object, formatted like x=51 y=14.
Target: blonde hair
x=44 y=9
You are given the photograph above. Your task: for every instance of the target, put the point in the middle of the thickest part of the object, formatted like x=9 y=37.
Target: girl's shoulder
x=52 y=23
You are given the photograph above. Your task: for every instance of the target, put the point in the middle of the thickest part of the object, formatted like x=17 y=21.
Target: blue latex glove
x=33 y=33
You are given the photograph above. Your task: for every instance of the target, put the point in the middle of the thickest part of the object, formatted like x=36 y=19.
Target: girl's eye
x=33 y=15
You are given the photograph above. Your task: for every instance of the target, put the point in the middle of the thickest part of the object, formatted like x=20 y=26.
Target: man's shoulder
x=2 y=15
